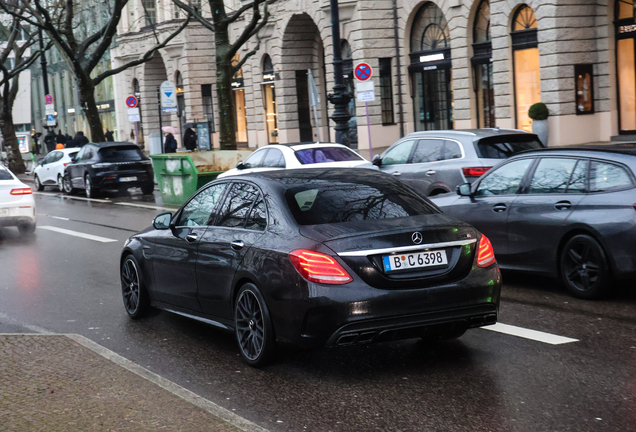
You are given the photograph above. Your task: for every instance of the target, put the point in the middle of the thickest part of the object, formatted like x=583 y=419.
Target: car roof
x=622 y=148
x=114 y=144
x=302 y=146
x=472 y=133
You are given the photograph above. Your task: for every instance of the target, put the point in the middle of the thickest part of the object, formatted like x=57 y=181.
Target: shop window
x=482 y=67
x=206 y=100
x=239 y=102
x=625 y=65
x=268 y=89
x=584 y=88
x=386 y=91
x=527 y=76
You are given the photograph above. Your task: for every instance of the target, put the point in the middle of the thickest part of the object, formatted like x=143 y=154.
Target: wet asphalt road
x=485 y=381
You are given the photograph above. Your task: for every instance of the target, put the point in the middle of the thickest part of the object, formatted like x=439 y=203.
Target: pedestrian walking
x=78 y=141
x=49 y=140
x=109 y=135
x=190 y=139
x=60 y=138
x=170 y=145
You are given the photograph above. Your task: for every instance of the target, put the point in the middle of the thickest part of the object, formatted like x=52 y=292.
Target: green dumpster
x=180 y=175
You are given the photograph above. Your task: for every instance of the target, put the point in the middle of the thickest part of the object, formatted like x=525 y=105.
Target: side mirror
x=240 y=165
x=162 y=222
x=377 y=160
x=464 y=190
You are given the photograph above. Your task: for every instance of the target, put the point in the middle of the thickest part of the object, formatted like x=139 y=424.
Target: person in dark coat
x=170 y=144
x=49 y=140
x=78 y=141
x=67 y=137
x=109 y=135
x=60 y=138
x=190 y=139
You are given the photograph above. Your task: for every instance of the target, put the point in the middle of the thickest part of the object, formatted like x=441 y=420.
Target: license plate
x=414 y=260
x=127 y=179
x=4 y=212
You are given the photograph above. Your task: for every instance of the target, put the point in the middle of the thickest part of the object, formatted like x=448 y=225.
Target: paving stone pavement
x=52 y=383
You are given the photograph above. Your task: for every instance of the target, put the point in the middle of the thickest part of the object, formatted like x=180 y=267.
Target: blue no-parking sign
x=363 y=72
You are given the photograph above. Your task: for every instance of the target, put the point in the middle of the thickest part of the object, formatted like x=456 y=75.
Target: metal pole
x=163 y=148
x=366 y=108
x=340 y=97
x=45 y=76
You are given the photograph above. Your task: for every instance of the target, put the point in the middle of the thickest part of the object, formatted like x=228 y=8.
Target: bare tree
x=82 y=51
x=225 y=52
x=16 y=56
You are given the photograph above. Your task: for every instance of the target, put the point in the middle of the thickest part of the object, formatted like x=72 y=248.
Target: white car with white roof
x=292 y=156
x=50 y=171
x=17 y=206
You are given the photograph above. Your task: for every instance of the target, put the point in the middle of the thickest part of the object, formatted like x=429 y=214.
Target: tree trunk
x=10 y=143
x=87 y=100
x=224 y=92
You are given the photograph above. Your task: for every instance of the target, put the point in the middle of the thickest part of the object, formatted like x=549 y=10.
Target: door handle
x=237 y=245
x=191 y=238
x=498 y=208
x=563 y=205
x=430 y=173
x=397 y=173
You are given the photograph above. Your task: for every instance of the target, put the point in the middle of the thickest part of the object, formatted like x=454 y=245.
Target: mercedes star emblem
x=417 y=237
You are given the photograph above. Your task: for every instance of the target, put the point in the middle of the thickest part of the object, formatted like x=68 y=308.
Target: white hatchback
x=17 y=206
x=292 y=156
x=50 y=171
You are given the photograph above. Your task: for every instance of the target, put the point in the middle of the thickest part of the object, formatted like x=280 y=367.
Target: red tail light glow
x=485 y=253
x=475 y=171
x=21 y=191
x=318 y=267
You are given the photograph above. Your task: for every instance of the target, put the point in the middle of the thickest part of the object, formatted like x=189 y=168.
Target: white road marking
x=529 y=334
x=60 y=218
x=78 y=234
x=83 y=199
x=145 y=206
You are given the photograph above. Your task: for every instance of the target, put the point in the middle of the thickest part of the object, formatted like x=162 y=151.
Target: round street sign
x=363 y=72
x=131 y=101
x=48 y=99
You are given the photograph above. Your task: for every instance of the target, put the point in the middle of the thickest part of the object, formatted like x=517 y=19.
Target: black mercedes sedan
x=109 y=165
x=568 y=212
x=313 y=257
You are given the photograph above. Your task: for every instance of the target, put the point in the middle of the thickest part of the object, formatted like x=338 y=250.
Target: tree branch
x=251 y=29
x=195 y=13
x=107 y=37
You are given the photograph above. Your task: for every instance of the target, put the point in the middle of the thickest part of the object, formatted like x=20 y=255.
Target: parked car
x=436 y=162
x=568 y=212
x=17 y=206
x=313 y=257
x=50 y=170
x=109 y=165
x=290 y=156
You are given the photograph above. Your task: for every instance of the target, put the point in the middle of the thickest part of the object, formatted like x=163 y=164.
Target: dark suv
x=110 y=165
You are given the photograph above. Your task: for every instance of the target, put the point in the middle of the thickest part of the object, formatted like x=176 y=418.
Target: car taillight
x=66 y=163
x=21 y=191
x=485 y=253
x=475 y=171
x=318 y=267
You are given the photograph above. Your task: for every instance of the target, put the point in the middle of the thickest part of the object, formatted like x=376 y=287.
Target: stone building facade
x=437 y=65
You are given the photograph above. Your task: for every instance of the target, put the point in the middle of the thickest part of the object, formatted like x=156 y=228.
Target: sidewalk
x=69 y=383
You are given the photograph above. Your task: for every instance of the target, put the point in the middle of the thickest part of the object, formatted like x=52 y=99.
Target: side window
x=577 y=181
x=237 y=205
x=452 y=150
x=606 y=177
x=58 y=156
x=80 y=154
x=428 y=151
x=88 y=154
x=200 y=210
x=274 y=159
x=552 y=176
x=505 y=180
x=399 y=154
x=257 y=220
x=255 y=160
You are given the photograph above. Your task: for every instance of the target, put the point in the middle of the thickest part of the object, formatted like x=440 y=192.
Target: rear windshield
x=324 y=202
x=5 y=175
x=502 y=147
x=326 y=154
x=120 y=154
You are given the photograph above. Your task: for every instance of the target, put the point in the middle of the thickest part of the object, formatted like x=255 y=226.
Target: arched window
x=239 y=102
x=482 y=66
x=527 y=75
x=626 y=65
x=270 y=109
x=430 y=69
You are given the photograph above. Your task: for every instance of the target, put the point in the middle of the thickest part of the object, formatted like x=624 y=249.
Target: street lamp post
x=340 y=97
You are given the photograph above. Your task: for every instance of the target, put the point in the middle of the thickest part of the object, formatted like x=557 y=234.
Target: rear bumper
x=16 y=220
x=112 y=179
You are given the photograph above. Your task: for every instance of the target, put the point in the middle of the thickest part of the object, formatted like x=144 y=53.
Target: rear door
x=240 y=222
x=537 y=219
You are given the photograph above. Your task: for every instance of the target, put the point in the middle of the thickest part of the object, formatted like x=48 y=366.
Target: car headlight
x=127 y=241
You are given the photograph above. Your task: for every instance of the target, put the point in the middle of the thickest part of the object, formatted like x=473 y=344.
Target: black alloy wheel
x=68 y=186
x=253 y=327
x=38 y=186
x=132 y=288
x=26 y=229
x=584 y=267
x=148 y=189
x=91 y=191
x=60 y=183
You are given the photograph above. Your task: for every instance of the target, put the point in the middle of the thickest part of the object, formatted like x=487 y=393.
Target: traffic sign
x=365 y=91
x=50 y=120
x=131 y=101
x=48 y=99
x=133 y=115
x=363 y=72
x=168 y=96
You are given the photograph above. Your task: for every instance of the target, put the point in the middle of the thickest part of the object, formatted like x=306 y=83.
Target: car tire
x=253 y=326
x=584 y=268
x=148 y=189
x=60 y=183
x=38 y=185
x=133 y=289
x=26 y=229
x=91 y=191
x=68 y=186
